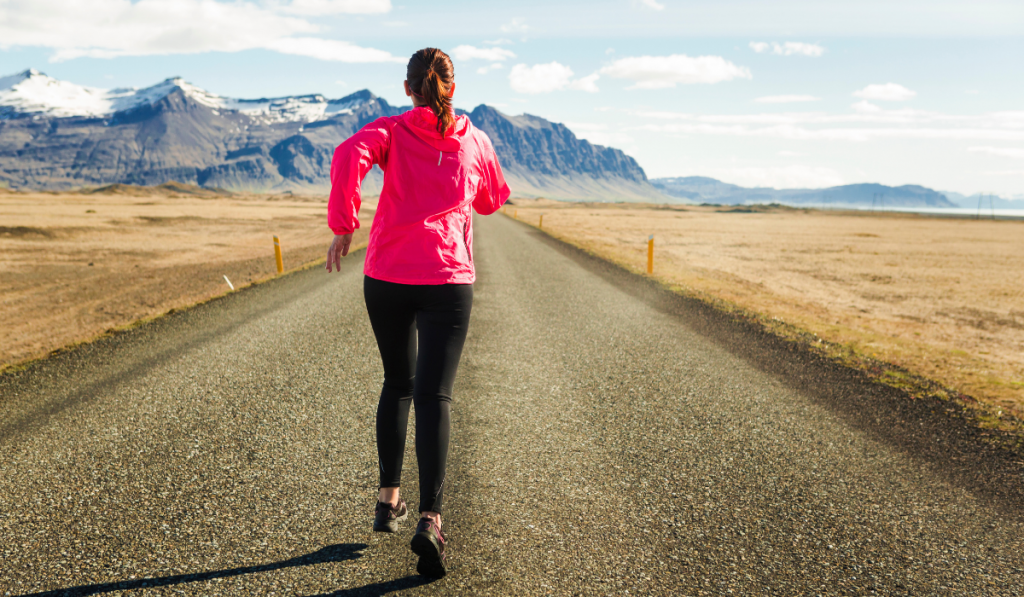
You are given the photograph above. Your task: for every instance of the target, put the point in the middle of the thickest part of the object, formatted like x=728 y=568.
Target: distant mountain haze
x=57 y=135
x=985 y=200
x=700 y=189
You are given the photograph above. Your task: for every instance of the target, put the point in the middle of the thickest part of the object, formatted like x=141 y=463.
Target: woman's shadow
x=332 y=553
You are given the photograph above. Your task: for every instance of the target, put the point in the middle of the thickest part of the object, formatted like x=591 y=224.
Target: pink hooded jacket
x=422 y=232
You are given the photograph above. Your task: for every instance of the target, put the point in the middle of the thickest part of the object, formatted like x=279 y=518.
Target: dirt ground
x=74 y=265
x=941 y=297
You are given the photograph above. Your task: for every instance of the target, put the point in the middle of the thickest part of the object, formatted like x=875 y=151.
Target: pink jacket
x=422 y=232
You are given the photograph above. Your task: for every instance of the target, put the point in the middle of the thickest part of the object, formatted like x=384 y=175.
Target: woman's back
x=422 y=231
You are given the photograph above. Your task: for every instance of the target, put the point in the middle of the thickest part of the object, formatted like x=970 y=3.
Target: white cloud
x=860 y=125
x=600 y=134
x=483 y=70
x=540 y=78
x=866 y=107
x=489 y=54
x=111 y=28
x=889 y=92
x=545 y=78
x=786 y=99
x=330 y=50
x=652 y=4
x=662 y=72
x=785 y=153
x=780 y=177
x=587 y=83
x=1006 y=152
x=515 y=26
x=328 y=7
x=789 y=48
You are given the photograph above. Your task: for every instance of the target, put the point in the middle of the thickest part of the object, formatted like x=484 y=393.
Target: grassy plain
x=940 y=297
x=74 y=265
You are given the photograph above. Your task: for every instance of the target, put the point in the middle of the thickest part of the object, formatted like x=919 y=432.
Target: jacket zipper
x=440 y=155
x=465 y=238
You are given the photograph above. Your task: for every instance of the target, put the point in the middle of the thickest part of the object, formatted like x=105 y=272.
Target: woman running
x=419 y=275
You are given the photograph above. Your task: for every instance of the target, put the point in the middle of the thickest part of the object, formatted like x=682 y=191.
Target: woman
x=419 y=275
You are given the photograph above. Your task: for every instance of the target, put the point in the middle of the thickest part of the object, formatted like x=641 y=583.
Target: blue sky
x=785 y=93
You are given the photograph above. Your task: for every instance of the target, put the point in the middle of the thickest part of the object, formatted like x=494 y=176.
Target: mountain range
x=59 y=135
x=700 y=189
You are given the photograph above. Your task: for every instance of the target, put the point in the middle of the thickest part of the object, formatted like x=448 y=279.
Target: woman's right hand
x=339 y=248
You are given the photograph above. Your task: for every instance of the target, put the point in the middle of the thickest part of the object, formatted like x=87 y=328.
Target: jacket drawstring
x=440 y=155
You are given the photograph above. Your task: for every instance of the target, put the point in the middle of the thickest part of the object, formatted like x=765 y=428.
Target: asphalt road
x=609 y=439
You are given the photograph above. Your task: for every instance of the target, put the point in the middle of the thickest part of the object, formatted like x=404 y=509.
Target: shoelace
x=437 y=529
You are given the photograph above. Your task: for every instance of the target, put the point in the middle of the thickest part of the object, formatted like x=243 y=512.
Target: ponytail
x=431 y=75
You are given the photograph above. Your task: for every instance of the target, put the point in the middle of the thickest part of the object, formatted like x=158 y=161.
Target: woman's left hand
x=339 y=248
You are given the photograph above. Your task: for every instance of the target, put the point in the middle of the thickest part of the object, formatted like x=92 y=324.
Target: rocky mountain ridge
x=57 y=135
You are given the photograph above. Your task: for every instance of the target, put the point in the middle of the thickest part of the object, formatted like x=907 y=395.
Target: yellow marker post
x=541 y=223
x=515 y=214
x=277 y=255
x=650 y=254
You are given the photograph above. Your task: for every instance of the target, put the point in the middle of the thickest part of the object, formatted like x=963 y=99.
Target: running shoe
x=386 y=517
x=428 y=544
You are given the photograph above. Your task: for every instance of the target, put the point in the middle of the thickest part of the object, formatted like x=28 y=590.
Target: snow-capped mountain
x=59 y=135
x=34 y=93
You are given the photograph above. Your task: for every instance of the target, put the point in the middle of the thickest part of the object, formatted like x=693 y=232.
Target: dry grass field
x=940 y=297
x=74 y=265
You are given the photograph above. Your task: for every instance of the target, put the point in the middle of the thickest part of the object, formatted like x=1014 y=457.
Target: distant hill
x=58 y=135
x=985 y=201
x=700 y=189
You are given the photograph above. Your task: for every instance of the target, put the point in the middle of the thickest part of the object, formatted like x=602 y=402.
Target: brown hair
x=430 y=75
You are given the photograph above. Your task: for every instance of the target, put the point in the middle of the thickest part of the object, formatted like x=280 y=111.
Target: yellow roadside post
x=515 y=214
x=541 y=223
x=277 y=255
x=650 y=254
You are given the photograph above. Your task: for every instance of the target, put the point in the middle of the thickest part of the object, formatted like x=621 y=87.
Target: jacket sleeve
x=492 y=192
x=352 y=160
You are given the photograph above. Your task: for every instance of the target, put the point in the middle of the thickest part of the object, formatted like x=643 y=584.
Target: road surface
x=609 y=438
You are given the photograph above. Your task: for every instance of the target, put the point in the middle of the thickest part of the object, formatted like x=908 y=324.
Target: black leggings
x=439 y=316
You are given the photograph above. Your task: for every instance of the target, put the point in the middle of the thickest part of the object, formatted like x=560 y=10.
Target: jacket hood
x=423 y=122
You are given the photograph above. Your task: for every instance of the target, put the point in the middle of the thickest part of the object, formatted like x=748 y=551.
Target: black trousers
x=436 y=318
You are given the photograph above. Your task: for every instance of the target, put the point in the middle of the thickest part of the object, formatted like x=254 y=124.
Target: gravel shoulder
x=609 y=437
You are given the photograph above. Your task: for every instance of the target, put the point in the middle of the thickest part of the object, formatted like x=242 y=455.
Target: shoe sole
x=390 y=526
x=430 y=564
